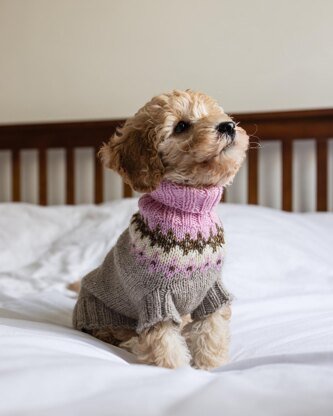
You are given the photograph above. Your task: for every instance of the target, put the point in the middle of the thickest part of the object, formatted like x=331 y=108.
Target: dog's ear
x=132 y=152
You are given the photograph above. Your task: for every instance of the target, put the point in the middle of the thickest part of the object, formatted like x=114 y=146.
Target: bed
x=279 y=266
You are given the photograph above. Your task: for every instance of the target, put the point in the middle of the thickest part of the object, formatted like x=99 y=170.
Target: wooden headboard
x=282 y=126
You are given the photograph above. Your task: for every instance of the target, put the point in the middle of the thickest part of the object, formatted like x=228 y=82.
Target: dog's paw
x=130 y=345
x=208 y=340
x=173 y=359
x=210 y=359
x=163 y=345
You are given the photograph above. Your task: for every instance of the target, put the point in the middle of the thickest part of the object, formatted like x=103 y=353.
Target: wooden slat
x=304 y=124
x=70 y=176
x=321 y=145
x=287 y=157
x=16 y=176
x=58 y=135
x=252 y=197
x=127 y=191
x=99 y=179
x=42 y=176
x=269 y=126
x=224 y=195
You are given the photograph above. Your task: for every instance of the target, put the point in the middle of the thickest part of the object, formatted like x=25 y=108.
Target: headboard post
x=99 y=177
x=42 y=175
x=16 y=175
x=252 y=173
x=321 y=174
x=127 y=190
x=283 y=126
x=70 y=176
x=287 y=181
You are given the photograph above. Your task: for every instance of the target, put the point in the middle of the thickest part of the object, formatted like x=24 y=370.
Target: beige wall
x=92 y=59
x=84 y=59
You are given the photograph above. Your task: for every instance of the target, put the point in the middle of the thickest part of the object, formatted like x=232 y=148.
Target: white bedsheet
x=279 y=266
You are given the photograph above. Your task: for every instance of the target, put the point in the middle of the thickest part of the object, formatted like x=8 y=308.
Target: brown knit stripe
x=169 y=241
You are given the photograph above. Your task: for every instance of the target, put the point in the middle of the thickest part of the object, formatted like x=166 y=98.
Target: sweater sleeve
x=215 y=298
x=91 y=313
x=157 y=306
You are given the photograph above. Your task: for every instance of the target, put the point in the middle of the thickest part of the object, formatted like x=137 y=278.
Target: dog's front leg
x=162 y=345
x=208 y=339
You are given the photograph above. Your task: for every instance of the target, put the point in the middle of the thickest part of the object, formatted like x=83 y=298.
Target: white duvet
x=279 y=267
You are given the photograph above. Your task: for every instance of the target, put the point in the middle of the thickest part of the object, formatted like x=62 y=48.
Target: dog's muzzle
x=227 y=128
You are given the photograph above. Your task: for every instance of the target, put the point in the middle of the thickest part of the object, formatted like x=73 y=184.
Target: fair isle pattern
x=163 y=253
x=165 y=265
x=169 y=241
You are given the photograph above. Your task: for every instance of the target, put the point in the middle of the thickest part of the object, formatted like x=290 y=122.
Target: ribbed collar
x=187 y=198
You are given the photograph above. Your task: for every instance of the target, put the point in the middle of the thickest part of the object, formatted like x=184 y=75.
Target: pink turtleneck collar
x=187 y=198
x=181 y=209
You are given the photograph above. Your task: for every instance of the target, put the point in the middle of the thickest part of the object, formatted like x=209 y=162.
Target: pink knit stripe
x=187 y=198
x=182 y=209
x=173 y=267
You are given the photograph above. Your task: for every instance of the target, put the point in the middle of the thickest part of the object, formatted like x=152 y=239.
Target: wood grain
x=287 y=157
x=321 y=149
x=283 y=126
x=252 y=175
x=224 y=195
x=70 y=176
x=99 y=178
x=127 y=191
x=42 y=176
x=16 y=175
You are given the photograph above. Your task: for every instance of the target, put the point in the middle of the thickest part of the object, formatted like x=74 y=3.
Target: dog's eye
x=181 y=126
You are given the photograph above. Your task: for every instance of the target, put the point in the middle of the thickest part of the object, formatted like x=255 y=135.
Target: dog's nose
x=228 y=127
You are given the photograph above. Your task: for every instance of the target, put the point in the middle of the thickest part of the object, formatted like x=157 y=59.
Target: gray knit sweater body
x=165 y=265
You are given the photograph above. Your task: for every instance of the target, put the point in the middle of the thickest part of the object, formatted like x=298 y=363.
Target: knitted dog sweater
x=166 y=264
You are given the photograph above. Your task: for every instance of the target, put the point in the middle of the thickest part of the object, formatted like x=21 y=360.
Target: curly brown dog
x=180 y=149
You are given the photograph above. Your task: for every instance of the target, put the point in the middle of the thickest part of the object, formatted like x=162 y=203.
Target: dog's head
x=184 y=137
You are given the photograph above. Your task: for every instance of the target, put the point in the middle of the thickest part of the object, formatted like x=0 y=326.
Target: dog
x=159 y=292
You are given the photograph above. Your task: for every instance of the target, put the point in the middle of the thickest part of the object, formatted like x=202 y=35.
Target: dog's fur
x=146 y=150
